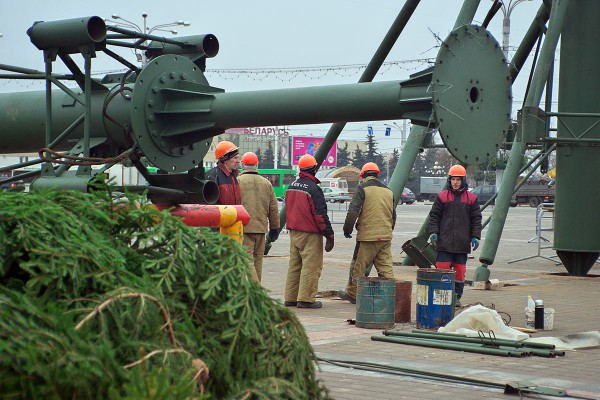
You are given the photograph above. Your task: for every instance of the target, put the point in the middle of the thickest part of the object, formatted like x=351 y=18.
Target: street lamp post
x=147 y=30
x=506 y=11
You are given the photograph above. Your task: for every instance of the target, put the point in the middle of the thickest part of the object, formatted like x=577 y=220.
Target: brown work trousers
x=380 y=254
x=254 y=243
x=306 y=263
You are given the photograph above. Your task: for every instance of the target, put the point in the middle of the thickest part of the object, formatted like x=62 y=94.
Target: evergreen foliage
x=103 y=296
x=359 y=158
x=268 y=158
x=343 y=156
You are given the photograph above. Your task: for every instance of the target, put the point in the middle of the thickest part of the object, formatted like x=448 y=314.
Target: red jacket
x=229 y=188
x=306 y=208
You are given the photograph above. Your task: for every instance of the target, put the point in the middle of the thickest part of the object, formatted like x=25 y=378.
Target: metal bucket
x=403 y=301
x=435 y=297
x=375 y=303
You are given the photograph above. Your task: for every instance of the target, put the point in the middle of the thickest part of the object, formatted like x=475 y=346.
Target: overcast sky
x=272 y=34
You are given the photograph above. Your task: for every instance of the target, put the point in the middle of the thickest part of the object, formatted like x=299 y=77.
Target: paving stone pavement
x=574 y=299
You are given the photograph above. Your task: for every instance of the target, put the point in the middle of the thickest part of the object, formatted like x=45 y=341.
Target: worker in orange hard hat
x=225 y=173
x=258 y=198
x=455 y=226
x=372 y=210
x=307 y=222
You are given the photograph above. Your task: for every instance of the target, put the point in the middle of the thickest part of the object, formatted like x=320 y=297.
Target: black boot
x=306 y=304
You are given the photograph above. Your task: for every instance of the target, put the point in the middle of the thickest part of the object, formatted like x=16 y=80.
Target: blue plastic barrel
x=435 y=297
x=375 y=303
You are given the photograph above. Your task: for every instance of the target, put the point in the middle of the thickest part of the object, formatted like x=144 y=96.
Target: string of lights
x=315 y=72
x=282 y=74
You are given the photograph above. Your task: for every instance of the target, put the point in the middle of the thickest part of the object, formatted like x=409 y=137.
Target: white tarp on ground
x=479 y=318
x=584 y=340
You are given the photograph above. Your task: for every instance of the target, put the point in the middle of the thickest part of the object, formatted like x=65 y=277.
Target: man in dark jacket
x=224 y=174
x=455 y=226
x=307 y=222
x=372 y=209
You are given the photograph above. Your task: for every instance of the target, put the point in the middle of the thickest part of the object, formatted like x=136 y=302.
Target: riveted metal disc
x=471 y=91
x=150 y=98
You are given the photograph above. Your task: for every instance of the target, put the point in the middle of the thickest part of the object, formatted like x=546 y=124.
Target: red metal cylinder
x=403 y=301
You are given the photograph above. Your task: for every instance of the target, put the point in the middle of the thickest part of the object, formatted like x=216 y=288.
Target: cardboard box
x=492 y=284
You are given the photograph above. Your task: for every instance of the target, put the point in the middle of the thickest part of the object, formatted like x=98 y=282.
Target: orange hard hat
x=457 y=170
x=223 y=148
x=249 y=158
x=369 y=167
x=306 y=161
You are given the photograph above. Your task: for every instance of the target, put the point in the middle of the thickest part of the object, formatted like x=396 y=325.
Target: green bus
x=279 y=178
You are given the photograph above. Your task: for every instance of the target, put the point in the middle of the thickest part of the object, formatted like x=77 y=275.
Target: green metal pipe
x=538 y=161
x=87 y=123
x=544 y=64
x=438 y=344
x=532 y=35
x=500 y=211
x=406 y=161
x=67 y=34
x=25 y=113
x=297 y=106
x=466 y=13
x=465 y=339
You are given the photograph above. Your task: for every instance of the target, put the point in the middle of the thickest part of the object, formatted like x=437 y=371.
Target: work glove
x=474 y=243
x=273 y=234
x=347 y=235
x=329 y=244
x=433 y=238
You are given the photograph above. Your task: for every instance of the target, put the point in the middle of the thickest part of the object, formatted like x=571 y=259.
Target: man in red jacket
x=307 y=222
x=224 y=174
x=455 y=226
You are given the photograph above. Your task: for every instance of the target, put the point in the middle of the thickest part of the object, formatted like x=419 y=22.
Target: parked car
x=336 y=195
x=407 y=197
x=15 y=186
x=485 y=192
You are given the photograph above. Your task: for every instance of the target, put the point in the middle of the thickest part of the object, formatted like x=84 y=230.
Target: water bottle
x=529 y=313
x=539 y=314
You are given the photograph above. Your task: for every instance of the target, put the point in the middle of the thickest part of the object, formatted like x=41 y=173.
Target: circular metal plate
x=471 y=94
x=169 y=152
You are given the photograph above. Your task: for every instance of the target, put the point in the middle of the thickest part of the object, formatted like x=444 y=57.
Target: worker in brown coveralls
x=225 y=173
x=372 y=209
x=307 y=222
x=258 y=198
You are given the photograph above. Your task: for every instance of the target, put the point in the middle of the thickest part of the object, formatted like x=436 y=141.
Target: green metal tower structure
x=167 y=112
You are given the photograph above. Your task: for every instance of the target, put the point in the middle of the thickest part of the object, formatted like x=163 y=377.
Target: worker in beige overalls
x=308 y=223
x=258 y=198
x=372 y=209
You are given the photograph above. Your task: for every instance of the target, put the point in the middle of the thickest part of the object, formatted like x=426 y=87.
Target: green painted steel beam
x=414 y=143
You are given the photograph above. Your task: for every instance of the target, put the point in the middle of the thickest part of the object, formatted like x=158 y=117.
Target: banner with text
x=302 y=145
